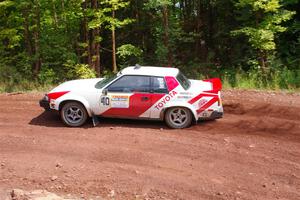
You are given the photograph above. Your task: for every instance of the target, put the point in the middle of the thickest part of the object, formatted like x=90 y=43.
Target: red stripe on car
x=207 y=105
x=56 y=95
x=193 y=100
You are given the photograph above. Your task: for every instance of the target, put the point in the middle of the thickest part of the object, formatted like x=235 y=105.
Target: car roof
x=150 y=71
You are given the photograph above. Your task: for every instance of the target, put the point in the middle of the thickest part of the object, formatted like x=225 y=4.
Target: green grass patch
x=24 y=86
x=277 y=80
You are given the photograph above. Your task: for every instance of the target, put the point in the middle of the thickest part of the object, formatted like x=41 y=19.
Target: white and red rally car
x=156 y=93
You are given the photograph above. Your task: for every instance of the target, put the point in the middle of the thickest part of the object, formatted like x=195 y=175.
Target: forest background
x=247 y=43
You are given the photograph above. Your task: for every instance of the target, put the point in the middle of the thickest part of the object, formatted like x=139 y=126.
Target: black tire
x=73 y=114
x=178 y=117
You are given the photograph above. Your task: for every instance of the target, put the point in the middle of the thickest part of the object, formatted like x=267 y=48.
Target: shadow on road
x=48 y=119
x=113 y=122
x=52 y=119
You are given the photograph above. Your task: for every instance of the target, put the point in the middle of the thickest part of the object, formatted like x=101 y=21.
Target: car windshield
x=105 y=81
x=184 y=82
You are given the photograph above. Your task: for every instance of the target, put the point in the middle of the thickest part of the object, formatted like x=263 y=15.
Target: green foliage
x=153 y=4
x=217 y=38
x=128 y=50
x=268 y=16
x=78 y=71
x=278 y=79
x=47 y=76
x=103 y=15
x=129 y=54
x=266 y=6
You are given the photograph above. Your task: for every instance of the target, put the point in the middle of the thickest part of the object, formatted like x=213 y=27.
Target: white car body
x=158 y=89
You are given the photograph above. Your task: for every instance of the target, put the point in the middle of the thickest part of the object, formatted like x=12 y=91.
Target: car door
x=158 y=91
x=127 y=97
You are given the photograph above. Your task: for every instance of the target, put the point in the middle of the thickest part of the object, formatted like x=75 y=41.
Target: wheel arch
x=190 y=108
x=85 y=105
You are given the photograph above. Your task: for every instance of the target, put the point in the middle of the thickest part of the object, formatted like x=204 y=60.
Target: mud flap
x=95 y=120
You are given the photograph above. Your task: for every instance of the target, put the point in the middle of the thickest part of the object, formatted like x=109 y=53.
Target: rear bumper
x=216 y=115
x=44 y=104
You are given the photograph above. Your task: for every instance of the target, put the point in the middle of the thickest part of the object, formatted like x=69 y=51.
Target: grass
x=24 y=86
x=283 y=80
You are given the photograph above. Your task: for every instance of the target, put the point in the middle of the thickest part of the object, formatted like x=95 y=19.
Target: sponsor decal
x=165 y=99
x=202 y=102
x=185 y=93
x=184 y=97
x=205 y=104
x=119 y=101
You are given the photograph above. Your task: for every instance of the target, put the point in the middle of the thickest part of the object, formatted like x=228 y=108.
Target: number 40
x=105 y=101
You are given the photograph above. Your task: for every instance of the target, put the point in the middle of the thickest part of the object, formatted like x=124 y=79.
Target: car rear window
x=159 y=85
x=184 y=82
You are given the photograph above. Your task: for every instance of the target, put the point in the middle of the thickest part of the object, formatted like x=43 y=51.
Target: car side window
x=131 y=84
x=159 y=85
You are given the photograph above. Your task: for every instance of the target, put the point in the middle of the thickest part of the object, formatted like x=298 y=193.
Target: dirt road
x=252 y=153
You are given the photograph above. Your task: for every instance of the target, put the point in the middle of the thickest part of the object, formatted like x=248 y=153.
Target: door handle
x=145 y=98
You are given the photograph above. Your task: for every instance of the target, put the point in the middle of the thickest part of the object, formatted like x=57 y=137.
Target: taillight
x=56 y=95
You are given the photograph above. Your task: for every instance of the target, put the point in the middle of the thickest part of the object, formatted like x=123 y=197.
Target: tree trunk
x=64 y=18
x=211 y=24
x=63 y=11
x=27 y=33
x=36 y=36
x=199 y=25
x=84 y=36
x=262 y=58
x=166 y=35
x=94 y=58
x=54 y=14
x=113 y=37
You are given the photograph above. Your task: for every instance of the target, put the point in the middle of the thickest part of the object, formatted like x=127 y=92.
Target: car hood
x=77 y=85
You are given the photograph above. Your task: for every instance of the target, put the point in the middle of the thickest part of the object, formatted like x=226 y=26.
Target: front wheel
x=73 y=114
x=178 y=117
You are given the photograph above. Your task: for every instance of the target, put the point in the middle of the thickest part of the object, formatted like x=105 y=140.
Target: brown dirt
x=252 y=153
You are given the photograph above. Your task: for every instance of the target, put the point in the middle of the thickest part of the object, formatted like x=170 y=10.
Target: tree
x=49 y=41
x=262 y=21
x=113 y=6
x=163 y=9
x=106 y=15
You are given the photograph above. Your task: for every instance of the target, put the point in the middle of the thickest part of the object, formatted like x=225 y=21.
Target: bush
x=78 y=71
x=278 y=79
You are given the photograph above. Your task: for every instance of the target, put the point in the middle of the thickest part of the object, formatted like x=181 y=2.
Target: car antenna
x=137 y=66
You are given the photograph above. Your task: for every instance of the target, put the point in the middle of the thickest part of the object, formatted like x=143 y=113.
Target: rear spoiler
x=216 y=85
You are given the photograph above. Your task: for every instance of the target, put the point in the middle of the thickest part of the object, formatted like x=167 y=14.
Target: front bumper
x=44 y=103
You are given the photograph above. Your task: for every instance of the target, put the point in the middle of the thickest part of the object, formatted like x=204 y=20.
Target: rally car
x=156 y=93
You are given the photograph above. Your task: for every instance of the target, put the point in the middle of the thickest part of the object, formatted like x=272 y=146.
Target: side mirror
x=104 y=91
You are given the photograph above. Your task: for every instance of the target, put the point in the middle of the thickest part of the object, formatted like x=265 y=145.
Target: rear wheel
x=178 y=117
x=73 y=114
